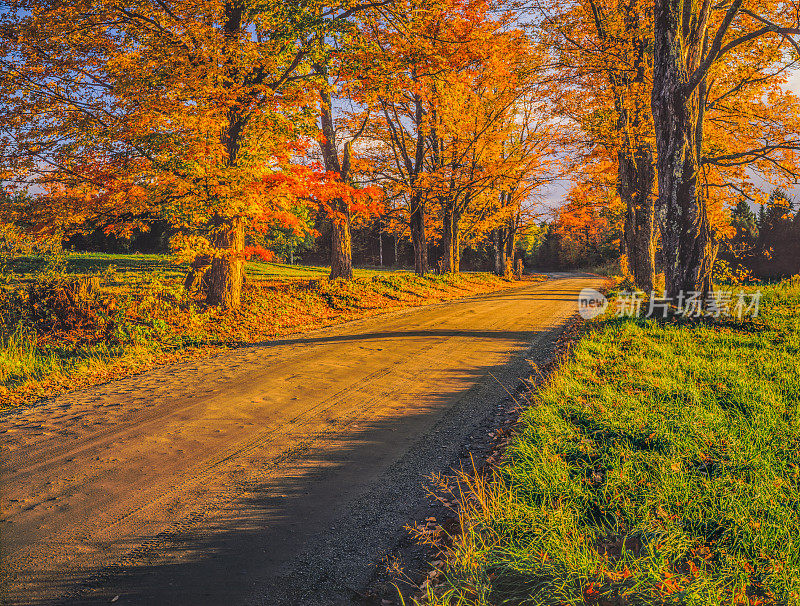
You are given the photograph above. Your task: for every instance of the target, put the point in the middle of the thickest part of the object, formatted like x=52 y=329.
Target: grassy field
x=138 y=267
x=659 y=465
x=93 y=317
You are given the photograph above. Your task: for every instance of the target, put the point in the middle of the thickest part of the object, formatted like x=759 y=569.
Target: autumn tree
x=527 y=155
x=193 y=109
x=749 y=123
x=340 y=163
x=475 y=116
x=396 y=68
x=602 y=57
x=694 y=43
x=444 y=79
x=591 y=222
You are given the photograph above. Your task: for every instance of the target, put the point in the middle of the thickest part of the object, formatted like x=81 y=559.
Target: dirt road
x=276 y=474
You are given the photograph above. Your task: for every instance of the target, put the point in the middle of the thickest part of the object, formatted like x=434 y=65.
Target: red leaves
x=303 y=185
x=590 y=593
x=251 y=252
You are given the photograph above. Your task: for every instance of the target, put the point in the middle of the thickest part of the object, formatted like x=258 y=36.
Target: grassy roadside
x=105 y=316
x=659 y=465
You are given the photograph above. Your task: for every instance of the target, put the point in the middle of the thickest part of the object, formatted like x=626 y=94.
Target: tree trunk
x=341 y=237
x=380 y=245
x=446 y=262
x=418 y=238
x=226 y=274
x=341 y=243
x=451 y=242
x=636 y=178
x=636 y=171
x=510 y=250
x=688 y=245
x=500 y=252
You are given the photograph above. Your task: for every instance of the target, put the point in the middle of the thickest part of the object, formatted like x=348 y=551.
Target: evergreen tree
x=776 y=248
x=744 y=221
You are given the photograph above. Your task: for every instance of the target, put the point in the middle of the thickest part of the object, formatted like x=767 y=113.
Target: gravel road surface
x=274 y=474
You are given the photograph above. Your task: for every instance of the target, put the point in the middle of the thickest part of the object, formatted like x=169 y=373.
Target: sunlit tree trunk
x=341 y=236
x=636 y=169
x=341 y=243
x=380 y=244
x=226 y=274
x=500 y=237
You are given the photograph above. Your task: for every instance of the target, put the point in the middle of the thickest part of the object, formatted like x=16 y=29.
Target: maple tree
x=196 y=110
x=591 y=222
x=704 y=54
x=447 y=85
x=338 y=141
x=396 y=66
x=486 y=139
x=341 y=208
x=603 y=52
x=585 y=229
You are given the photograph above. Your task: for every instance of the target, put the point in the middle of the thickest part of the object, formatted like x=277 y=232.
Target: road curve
x=272 y=474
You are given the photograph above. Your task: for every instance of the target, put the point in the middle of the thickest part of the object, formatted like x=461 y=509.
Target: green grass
x=19 y=357
x=22 y=361
x=659 y=465
x=87 y=263
x=135 y=267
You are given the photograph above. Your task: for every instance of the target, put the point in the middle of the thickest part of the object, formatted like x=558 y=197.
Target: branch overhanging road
x=272 y=474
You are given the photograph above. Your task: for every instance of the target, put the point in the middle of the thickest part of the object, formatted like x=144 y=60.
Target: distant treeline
x=765 y=242
x=372 y=245
x=768 y=242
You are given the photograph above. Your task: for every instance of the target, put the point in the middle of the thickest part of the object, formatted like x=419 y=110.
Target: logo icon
x=591 y=303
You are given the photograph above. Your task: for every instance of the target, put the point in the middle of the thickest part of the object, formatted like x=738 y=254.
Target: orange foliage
x=195 y=111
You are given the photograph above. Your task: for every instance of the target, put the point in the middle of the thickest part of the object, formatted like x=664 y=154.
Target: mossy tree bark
x=685 y=49
x=678 y=100
x=635 y=185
